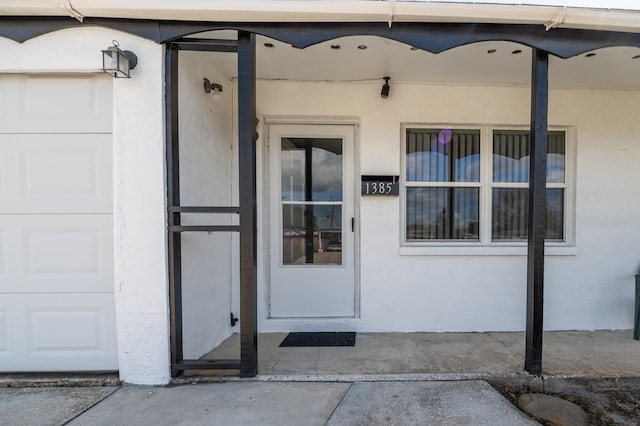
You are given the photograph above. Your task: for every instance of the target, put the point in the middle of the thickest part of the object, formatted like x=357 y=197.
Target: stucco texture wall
x=206 y=168
x=140 y=261
x=587 y=287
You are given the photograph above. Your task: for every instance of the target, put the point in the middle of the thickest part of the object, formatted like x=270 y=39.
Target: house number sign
x=380 y=185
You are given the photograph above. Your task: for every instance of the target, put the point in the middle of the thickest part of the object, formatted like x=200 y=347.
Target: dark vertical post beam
x=173 y=199
x=308 y=196
x=537 y=210
x=248 y=229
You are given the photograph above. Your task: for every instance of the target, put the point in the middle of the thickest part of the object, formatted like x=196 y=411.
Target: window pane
x=323 y=158
x=311 y=234
x=326 y=169
x=292 y=158
x=442 y=214
x=510 y=214
x=443 y=155
x=511 y=156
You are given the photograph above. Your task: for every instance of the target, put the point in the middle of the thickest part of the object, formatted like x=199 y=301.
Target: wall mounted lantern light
x=212 y=87
x=118 y=63
x=385 y=88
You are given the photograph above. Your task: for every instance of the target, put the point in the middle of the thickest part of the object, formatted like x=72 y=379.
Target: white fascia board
x=567 y=14
x=590 y=4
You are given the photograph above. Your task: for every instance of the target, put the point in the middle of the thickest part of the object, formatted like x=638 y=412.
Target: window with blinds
x=472 y=185
x=510 y=182
x=443 y=184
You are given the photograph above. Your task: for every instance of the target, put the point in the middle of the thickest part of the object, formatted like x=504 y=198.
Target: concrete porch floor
x=443 y=356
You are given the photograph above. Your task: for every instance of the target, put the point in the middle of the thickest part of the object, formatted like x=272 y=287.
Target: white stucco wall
x=139 y=195
x=586 y=287
x=206 y=167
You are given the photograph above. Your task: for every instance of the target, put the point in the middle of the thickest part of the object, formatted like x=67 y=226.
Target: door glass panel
x=311 y=197
x=327 y=169
x=292 y=161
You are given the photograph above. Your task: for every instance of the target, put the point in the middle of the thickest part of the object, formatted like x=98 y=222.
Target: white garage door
x=56 y=244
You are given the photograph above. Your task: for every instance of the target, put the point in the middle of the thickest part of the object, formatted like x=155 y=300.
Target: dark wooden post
x=537 y=210
x=173 y=199
x=248 y=228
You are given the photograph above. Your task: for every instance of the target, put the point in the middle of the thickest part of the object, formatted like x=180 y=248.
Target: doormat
x=319 y=339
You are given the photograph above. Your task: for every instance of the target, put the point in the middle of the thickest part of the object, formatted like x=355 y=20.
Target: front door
x=312 y=221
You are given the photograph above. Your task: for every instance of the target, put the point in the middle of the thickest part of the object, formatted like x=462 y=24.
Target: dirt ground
x=606 y=401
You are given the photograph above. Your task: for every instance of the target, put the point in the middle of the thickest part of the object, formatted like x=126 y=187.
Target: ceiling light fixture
x=384 y=94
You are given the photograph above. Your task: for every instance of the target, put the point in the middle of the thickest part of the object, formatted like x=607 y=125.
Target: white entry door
x=312 y=221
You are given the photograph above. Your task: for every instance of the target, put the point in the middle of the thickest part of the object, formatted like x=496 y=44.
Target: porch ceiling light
x=212 y=87
x=118 y=63
x=384 y=94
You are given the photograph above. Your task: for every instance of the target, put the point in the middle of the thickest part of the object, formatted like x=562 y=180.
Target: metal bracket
x=233 y=319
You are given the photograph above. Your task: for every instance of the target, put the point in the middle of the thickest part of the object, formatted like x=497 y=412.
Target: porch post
x=173 y=199
x=248 y=229
x=537 y=210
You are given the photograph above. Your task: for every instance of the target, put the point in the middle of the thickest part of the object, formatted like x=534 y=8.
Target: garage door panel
x=57 y=308
x=59 y=332
x=38 y=103
x=60 y=173
x=57 y=253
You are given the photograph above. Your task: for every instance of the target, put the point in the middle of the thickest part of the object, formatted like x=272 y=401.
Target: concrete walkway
x=414 y=378
x=263 y=403
x=445 y=356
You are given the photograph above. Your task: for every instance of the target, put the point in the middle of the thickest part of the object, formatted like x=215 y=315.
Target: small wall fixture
x=118 y=63
x=212 y=87
x=384 y=94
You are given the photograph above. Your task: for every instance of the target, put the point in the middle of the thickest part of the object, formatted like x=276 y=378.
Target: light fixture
x=118 y=63
x=212 y=87
x=385 y=88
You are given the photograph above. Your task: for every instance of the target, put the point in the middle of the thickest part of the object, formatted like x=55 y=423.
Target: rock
x=552 y=411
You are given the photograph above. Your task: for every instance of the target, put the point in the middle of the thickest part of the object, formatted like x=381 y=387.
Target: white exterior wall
x=139 y=194
x=206 y=168
x=588 y=287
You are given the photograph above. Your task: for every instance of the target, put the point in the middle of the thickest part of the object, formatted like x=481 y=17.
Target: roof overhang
x=619 y=15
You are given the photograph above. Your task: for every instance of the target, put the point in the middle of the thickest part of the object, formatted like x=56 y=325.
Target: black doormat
x=319 y=339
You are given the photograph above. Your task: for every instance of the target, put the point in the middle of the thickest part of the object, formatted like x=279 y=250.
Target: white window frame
x=484 y=246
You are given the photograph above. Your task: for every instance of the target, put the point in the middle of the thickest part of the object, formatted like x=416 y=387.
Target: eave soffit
x=431 y=37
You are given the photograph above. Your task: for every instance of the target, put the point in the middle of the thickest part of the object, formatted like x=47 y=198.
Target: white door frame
x=265 y=198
